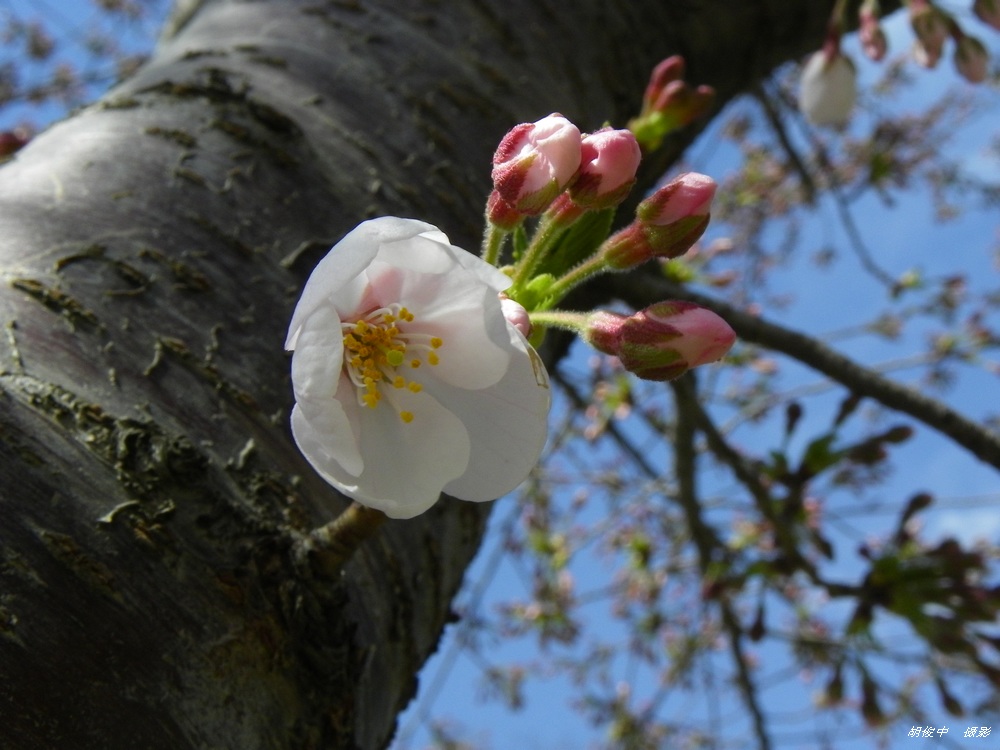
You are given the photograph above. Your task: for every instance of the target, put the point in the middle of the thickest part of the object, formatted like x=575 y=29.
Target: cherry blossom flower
x=409 y=380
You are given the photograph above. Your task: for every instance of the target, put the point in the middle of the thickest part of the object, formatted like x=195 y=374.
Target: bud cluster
x=538 y=162
x=554 y=194
x=669 y=104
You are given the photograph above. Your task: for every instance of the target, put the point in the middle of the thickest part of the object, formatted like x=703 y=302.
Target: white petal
x=409 y=464
x=432 y=253
x=346 y=260
x=457 y=307
x=507 y=426
x=828 y=89
x=319 y=355
x=468 y=318
x=323 y=431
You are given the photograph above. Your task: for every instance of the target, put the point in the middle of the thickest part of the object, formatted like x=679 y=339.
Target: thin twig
x=777 y=124
x=706 y=541
x=581 y=403
x=762 y=498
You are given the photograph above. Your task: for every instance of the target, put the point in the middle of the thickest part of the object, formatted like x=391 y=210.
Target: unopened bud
x=828 y=87
x=501 y=214
x=535 y=162
x=971 y=59
x=666 y=224
x=687 y=195
x=680 y=105
x=873 y=40
x=663 y=341
x=609 y=160
x=988 y=12
x=516 y=315
x=931 y=28
x=665 y=73
x=669 y=104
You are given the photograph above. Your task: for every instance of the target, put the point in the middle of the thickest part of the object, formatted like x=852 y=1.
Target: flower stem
x=327 y=549
x=576 y=276
x=567 y=321
x=547 y=234
x=492 y=242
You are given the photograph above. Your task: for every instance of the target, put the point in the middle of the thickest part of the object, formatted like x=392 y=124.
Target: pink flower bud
x=971 y=59
x=668 y=71
x=501 y=214
x=535 y=162
x=609 y=160
x=988 y=12
x=668 y=104
x=873 y=40
x=828 y=87
x=680 y=105
x=689 y=194
x=931 y=28
x=663 y=341
x=516 y=315
x=667 y=223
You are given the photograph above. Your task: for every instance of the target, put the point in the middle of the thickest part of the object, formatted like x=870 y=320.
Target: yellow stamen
x=375 y=346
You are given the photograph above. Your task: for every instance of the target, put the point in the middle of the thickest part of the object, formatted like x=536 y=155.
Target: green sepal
x=519 y=242
x=533 y=294
x=580 y=241
x=677 y=270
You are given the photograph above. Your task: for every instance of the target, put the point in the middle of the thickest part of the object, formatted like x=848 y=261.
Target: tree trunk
x=152 y=247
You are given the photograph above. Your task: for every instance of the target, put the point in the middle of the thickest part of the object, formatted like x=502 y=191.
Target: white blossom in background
x=828 y=88
x=409 y=380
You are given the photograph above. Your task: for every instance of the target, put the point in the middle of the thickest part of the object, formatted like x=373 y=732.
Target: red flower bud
x=609 y=161
x=667 y=223
x=663 y=341
x=535 y=162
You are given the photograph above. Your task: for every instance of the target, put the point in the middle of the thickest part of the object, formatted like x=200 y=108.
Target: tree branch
x=984 y=444
x=707 y=542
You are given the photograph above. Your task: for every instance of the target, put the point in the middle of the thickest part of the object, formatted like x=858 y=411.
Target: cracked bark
x=152 y=246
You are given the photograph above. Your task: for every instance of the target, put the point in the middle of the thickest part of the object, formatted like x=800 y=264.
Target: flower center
x=377 y=348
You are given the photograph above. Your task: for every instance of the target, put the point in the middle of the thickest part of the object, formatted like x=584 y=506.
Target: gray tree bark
x=151 y=249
